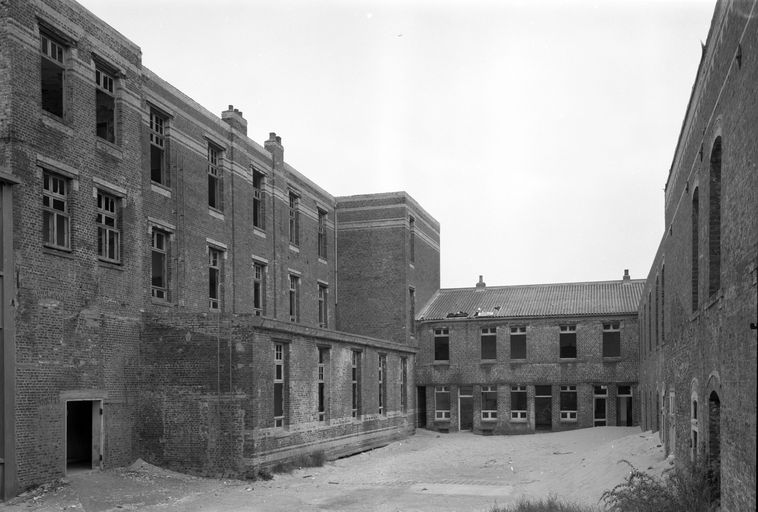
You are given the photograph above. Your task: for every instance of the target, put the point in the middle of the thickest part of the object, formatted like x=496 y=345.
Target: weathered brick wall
x=712 y=347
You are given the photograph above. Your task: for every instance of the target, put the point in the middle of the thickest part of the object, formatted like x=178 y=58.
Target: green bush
x=549 y=504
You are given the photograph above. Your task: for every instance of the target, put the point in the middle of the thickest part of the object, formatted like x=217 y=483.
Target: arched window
x=695 y=249
x=714 y=220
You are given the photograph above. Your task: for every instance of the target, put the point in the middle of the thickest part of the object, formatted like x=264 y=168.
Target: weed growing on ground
x=686 y=488
x=550 y=504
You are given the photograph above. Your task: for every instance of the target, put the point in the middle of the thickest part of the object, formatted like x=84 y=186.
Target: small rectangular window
x=55 y=211
x=322 y=240
x=518 y=403
x=442 y=344
x=568 y=342
x=108 y=228
x=489 y=402
x=518 y=342
x=259 y=289
x=159 y=257
x=105 y=105
x=158 y=171
x=441 y=403
x=568 y=403
x=489 y=343
x=215 y=189
x=259 y=205
x=612 y=339
x=52 y=73
x=214 y=278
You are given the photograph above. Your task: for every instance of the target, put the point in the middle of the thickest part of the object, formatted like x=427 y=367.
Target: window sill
x=714 y=299
x=110 y=264
x=294 y=248
x=443 y=421
x=488 y=362
x=160 y=189
x=567 y=360
x=411 y=265
x=611 y=359
x=568 y=421
x=441 y=363
x=518 y=420
x=56 y=123
x=110 y=148
x=259 y=232
x=58 y=251
x=215 y=213
x=322 y=260
x=518 y=361
x=489 y=420
x=161 y=302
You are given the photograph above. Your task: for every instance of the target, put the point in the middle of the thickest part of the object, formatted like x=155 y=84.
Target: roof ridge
x=538 y=285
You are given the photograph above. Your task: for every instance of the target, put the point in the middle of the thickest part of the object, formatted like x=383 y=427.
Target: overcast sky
x=539 y=134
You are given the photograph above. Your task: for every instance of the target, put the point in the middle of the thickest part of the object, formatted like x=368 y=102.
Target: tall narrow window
x=105 y=106
x=695 y=261
x=714 y=220
x=356 y=384
x=322 y=241
x=663 y=304
x=412 y=241
x=55 y=211
x=215 y=190
x=518 y=342
x=518 y=403
x=294 y=294
x=294 y=219
x=259 y=288
x=382 y=384
x=323 y=305
x=441 y=403
x=650 y=321
x=612 y=339
x=404 y=384
x=52 y=73
x=567 y=341
x=159 y=258
x=108 y=229
x=259 y=210
x=323 y=355
x=657 y=310
x=694 y=428
x=489 y=402
x=442 y=344
x=568 y=403
x=214 y=278
x=279 y=373
x=412 y=311
x=158 y=171
x=488 y=341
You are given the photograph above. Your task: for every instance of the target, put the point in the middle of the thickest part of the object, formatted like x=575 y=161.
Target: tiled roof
x=565 y=299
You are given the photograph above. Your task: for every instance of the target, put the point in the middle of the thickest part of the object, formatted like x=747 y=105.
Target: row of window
x=566 y=342
x=323 y=383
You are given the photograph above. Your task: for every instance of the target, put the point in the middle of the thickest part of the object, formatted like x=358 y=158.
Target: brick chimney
x=626 y=274
x=233 y=117
x=481 y=285
x=274 y=146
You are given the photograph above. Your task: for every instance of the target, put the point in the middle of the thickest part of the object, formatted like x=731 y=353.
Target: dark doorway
x=79 y=434
x=600 y=412
x=465 y=408
x=714 y=445
x=624 y=416
x=543 y=408
x=421 y=407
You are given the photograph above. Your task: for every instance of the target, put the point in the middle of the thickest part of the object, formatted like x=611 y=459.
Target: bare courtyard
x=427 y=472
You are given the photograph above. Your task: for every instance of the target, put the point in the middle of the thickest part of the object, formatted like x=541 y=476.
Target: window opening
x=55 y=211
x=356 y=384
x=695 y=261
x=159 y=257
x=322 y=241
x=259 y=210
x=294 y=296
x=108 y=232
x=611 y=339
x=52 y=73
x=489 y=402
x=489 y=343
x=714 y=220
x=568 y=403
x=215 y=191
x=518 y=403
x=382 y=389
x=294 y=219
x=158 y=172
x=105 y=106
x=322 y=360
x=323 y=313
x=259 y=288
x=518 y=342
x=567 y=341
x=442 y=344
x=214 y=278
x=279 y=384
x=441 y=403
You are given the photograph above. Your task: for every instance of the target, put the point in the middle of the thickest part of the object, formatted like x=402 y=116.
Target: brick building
x=515 y=359
x=170 y=287
x=699 y=307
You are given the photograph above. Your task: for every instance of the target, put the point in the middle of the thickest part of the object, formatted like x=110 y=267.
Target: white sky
x=539 y=134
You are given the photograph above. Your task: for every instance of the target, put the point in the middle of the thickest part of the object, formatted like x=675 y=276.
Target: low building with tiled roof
x=510 y=359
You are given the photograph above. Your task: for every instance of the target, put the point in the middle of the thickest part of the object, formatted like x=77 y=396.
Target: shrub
x=549 y=504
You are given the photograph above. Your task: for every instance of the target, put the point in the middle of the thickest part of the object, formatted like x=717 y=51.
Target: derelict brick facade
x=697 y=343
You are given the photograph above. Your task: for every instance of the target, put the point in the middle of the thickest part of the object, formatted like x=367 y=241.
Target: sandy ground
x=427 y=472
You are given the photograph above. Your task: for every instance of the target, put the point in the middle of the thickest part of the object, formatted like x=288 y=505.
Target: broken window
x=382 y=389
x=714 y=220
x=612 y=339
x=259 y=219
x=55 y=211
x=323 y=354
x=323 y=312
x=294 y=219
x=489 y=343
x=518 y=342
x=356 y=384
x=159 y=256
x=412 y=238
x=52 y=73
x=442 y=344
x=568 y=403
x=518 y=403
x=214 y=278
x=294 y=296
x=441 y=403
x=108 y=231
x=105 y=106
x=158 y=172
x=568 y=342
x=215 y=189
x=279 y=373
x=259 y=288
x=322 y=241
x=489 y=402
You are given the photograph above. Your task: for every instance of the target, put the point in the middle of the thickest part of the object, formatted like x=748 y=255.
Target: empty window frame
x=518 y=342
x=259 y=204
x=215 y=258
x=356 y=384
x=108 y=228
x=612 y=339
x=322 y=239
x=56 y=220
x=624 y=406
x=567 y=341
x=488 y=340
x=714 y=220
x=441 y=403
x=518 y=403
x=52 y=69
x=158 y=166
x=695 y=259
x=294 y=225
x=259 y=288
x=323 y=359
x=105 y=105
x=404 y=384
x=159 y=262
x=489 y=402
x=442 y=344
x=412 y=238
x=279 y=382
x=294 y=298
x=215 y=184
x=382 y=383
x=323 y=305
x=568 y=403
x=412 y=311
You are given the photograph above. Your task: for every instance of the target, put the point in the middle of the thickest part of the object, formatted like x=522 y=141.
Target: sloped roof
x=565 y=299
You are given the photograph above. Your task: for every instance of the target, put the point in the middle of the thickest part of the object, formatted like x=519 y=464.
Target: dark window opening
x=215 y=190
x=611 y=339
x=489 y=343
x=441 y=344
x=158 y=172
x=105 y=106
x=259 y=288
x=52 y=75
x=159 y=272
x=518 y=342
x=695 y=250
x=259 y=220
x=568 y=342
x=714 y=221
x=322 y=240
